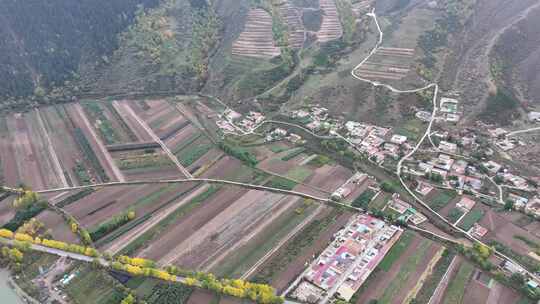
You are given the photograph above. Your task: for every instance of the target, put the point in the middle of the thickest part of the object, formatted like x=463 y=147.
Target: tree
x=508 y=205
x=387 y=186
x=25 y=200
x=517 y=279
x=6 y=233
x=131 y=215
x=74 y=227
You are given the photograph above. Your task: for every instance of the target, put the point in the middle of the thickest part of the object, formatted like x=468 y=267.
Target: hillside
x=45 y=42
x=515 y=58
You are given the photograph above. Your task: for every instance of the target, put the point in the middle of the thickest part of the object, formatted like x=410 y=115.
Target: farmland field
x=396 y=277
x=289 y=261
x=456 y=288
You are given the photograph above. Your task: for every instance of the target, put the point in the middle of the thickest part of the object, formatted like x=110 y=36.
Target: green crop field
x=472 y=217
x=405 y=271
x=92 y=286
x=395 y=252
x=456 y=288
x=298 y=173
x=442 y=199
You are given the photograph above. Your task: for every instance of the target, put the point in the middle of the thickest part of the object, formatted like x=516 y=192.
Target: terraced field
x=292 y=17
x=256 y=40
x=387 y=63
x=331 y=25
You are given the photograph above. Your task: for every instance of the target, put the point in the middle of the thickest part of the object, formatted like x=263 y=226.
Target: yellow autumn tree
x=23 y=237
x=6 y=233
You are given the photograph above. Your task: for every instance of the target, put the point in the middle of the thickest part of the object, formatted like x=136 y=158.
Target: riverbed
x=7 y=294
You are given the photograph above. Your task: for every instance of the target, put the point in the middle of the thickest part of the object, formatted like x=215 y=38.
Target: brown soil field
x=500 y=294
x=157 y=216
x=226 y=166
x=26 y=155
x=451 y=205
x=534 y=228
x=476 y=291
x=63 y=142
x=233 y=300
x=49 y=163
x=6 y=211
x=139 y=131
x=10 y=173
x=206 y=160
x=155 y=106
x=287 y=203
x=58 y=226
x=236 y=220
x=81 y=121
x=101 y=205
x=502 y=230
x=177 y=139
x=296 y=267
x=382 y=281
x=275 y=165
x=338 y=174
x=153 y=174
x=99 y=199
x=190 y=223
x=201 y=297
x=479 y=292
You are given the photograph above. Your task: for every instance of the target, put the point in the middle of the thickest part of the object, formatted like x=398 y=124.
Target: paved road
x=437 y=295
x=523 y=131
x=193 y=180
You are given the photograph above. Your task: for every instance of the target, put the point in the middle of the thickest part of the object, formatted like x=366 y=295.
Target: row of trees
x=129 y=299
x=112 y=224
x=13 y=254
x=26 y=238
x=260 y=293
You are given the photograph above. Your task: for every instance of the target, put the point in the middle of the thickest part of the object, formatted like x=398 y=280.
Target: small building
x=449 y=105
x=459 y=167
x=534 y=116
x=341 y=193
x=398 y=205
x=442 y=173
x=513 y=268
x=519 y=201
x=294 y=138
x=452 y=117
x=465 y=204
x=515 y=180
x=447 y=147
x=314 y=125
x=477 y=231
x=300 y=114
x=492 y=166
x=398 y=139
x=533 y=207
x=423 y=188
x=498 y=132
x=423 y=116
x=232 y=115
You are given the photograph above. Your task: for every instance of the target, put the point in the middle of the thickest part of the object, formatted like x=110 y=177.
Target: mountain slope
x=44 y=42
